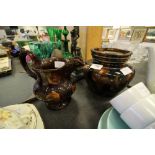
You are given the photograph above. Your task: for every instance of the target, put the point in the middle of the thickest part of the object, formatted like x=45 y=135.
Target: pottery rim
x=100 y=51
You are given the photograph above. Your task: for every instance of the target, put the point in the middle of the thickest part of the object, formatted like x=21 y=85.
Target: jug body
x=53 y=84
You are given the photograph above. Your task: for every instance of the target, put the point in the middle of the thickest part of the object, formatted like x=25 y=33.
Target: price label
x=59 y=64
x=126 y=70
x=96 y=66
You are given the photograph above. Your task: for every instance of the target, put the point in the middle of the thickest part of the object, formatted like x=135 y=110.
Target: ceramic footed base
x=57 y=106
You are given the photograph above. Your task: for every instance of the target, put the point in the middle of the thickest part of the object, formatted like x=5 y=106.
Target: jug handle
x=22 y=58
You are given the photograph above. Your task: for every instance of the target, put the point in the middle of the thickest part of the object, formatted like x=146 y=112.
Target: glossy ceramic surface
x=111 y=52
x=111 y=120
x=20 y=116
x=108 y=80
x=54 y=84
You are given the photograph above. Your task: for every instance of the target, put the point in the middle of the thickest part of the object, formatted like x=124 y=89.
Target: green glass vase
x=41 y=50
x=51 y=33
x=66 y=53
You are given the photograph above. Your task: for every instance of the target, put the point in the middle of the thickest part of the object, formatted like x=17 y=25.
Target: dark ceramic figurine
x=76 y=51
x=114 y=74
x=53 y=83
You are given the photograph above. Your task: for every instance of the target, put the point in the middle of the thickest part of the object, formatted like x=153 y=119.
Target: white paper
x=59 y=64
x=126 y=70
x=96 y=66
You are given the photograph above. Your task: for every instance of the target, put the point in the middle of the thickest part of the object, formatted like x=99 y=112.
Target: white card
x=96 y=66
x=59 y=64
x=126 y=70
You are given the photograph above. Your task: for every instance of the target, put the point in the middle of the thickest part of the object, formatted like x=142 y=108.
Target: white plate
x=23 y=116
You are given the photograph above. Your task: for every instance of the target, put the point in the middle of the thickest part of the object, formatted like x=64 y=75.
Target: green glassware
x=51 y=33
x=34 y=48
x=55 y=37
x=46 y=49
x=59 y=44
x=66 y=53
x=41 y=50
x=58 y=33
x=65 y=32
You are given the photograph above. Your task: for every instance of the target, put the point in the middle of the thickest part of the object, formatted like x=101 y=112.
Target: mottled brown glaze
x=111 y=52
x=53 y=85
x=109 y=80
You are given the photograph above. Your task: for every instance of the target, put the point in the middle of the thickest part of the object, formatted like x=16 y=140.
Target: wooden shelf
x=94 y=39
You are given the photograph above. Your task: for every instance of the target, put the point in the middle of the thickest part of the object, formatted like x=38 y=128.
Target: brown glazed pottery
x=53 y=85
x=108 y=80
x=111 y=52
